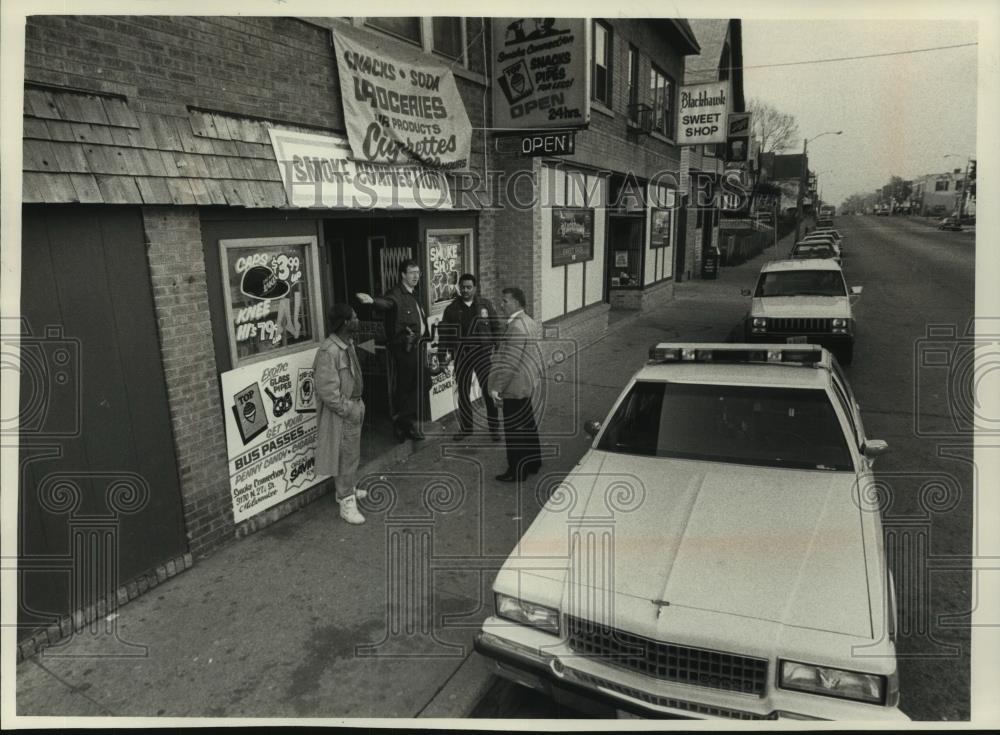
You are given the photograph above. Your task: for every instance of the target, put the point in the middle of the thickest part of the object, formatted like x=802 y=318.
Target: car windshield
x=801 y=283
x=812 y=251
x=774 y=427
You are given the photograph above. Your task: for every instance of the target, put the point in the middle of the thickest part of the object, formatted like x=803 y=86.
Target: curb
x=104 y=607
x=462 y=692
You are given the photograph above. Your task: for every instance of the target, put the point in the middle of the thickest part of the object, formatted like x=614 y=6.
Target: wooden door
x=100 y=500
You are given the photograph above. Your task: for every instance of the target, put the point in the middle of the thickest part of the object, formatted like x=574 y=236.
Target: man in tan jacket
x=516 y=376
x=339 y=387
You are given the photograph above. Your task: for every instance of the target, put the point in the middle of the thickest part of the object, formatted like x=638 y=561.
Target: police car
x=803 y=301
x=717 y=553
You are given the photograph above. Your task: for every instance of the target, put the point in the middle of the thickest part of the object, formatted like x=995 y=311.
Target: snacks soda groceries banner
x=270 y=412
x=399 y=107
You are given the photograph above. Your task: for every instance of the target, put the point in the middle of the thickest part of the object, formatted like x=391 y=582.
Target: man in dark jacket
x=406 y=334
x=468 y=332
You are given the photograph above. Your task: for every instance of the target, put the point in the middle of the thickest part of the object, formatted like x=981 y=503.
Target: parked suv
x=798 y=301
x=717 y=553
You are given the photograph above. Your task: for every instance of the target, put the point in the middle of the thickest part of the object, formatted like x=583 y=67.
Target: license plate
x=799 y=340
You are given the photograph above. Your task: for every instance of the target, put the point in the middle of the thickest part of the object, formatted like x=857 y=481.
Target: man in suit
x=516 y=374
x=406 y=333
x=468 y=331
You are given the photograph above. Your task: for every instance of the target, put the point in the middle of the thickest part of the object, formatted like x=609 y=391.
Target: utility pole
x=804 y=179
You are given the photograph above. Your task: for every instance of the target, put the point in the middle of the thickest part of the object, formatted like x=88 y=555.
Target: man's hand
x=495 y=395
x=365 y=298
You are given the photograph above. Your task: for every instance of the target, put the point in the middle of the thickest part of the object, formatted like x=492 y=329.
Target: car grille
x=654 y=699
x=799 y=324
x=668 y=661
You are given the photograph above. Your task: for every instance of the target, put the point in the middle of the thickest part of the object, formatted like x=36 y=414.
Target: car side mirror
x=874 y=448
x=744 y=292
x=592 y=427
x=856 y=290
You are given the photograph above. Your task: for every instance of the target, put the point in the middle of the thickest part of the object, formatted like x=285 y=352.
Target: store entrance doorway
x=624 y=255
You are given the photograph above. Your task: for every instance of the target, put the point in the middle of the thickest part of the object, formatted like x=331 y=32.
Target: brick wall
x=180 y=297
x=267 y=67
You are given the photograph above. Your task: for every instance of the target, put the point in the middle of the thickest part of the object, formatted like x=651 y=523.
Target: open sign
x=549 y=144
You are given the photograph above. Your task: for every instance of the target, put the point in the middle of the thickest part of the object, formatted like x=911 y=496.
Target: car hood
x=776 y=545
x=802 y=306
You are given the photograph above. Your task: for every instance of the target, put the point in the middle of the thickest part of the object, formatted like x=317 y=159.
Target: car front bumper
x=544 y=663
x=832 y=342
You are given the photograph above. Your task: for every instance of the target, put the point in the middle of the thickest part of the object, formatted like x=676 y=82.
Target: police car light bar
x=802 y=354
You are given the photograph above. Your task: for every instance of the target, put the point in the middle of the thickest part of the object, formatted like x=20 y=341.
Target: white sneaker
x=349 y=511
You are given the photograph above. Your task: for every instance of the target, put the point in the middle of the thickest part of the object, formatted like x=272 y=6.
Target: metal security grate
x=668 y=661
x=799 y=324
x=693 y=707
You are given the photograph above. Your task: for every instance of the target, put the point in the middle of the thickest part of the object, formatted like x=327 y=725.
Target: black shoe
x=533 y=469
x=507 y=476
x=399 y=432
x=416 y=434
x=496 y=435
x=461 y=436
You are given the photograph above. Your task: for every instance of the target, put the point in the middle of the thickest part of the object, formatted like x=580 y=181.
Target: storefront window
x=449 y=255
x=273 y=302
x=404 y=27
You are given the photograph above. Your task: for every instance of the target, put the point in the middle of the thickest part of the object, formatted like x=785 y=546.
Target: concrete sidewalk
x=311 y=617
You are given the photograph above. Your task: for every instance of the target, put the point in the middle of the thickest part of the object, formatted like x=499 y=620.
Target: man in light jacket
x=339 y=386
x=516 y=375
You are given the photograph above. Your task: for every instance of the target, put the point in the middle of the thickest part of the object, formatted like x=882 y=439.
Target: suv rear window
x=774 y=427
x=801 y=283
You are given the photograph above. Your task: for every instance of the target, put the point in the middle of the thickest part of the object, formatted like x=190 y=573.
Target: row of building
x=194 y=201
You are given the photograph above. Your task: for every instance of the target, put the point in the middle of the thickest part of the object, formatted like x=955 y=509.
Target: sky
x=900 y=115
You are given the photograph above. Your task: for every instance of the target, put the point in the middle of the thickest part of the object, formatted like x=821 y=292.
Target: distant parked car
x=950 y=222
x=814 y=250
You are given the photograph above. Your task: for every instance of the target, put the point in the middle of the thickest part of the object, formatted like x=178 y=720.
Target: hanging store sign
x=540 y=72
x=738 y=138
x=318 y=171
x=549 y=144
x=400 y=107
x=702 y=113
x=270 y=413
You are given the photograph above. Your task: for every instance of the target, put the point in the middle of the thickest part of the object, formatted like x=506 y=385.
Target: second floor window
x=448 y=37
x=941 y=185
x=405 y=28
x=602 y=64
x=633 y=82
x=662 y=100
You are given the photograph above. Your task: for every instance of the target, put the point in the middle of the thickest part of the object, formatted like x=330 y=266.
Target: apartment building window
x=601 y=73
x=662 y=91
x=444 y=36
x=406 y=28
x=448 y=37
x=941 y=185
x=633 y=82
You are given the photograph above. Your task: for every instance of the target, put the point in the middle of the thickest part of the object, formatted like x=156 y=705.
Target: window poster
x=660 y=228
x=270 y=415
x=272 y=296
x=572 y=236
x=449 y=256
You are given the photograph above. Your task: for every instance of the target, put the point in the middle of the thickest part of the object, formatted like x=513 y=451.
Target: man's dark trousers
x=524 y=451
x=471 y=361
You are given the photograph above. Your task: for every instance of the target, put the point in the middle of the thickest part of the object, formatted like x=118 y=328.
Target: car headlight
x=841 y=326
x=528 y=613
x=832 y=682
x=759 y=323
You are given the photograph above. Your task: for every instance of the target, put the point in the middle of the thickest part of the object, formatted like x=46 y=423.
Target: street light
x=804 y=176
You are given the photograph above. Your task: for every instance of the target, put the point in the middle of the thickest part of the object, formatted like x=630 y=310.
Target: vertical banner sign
x=738 y=137
x=270 y=431
x=702 y=111
x=400 y=107
x=540 y=72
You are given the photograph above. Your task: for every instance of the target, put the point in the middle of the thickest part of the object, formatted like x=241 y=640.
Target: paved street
x=913 y=276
